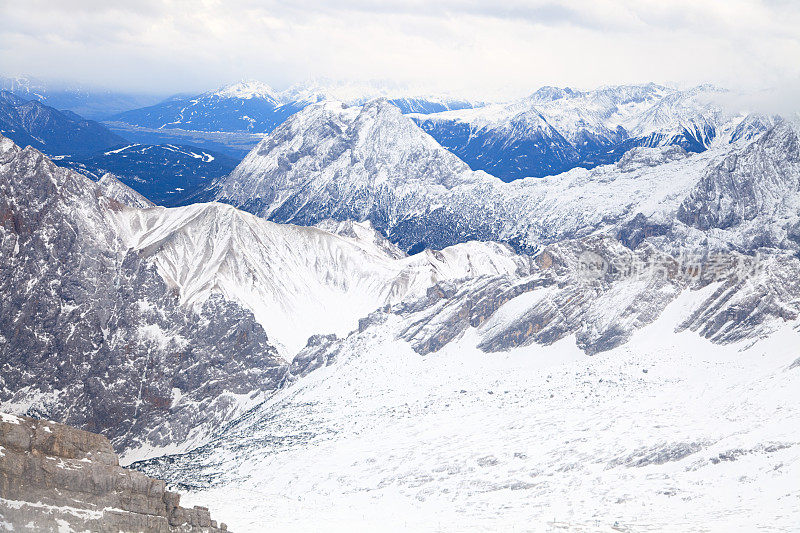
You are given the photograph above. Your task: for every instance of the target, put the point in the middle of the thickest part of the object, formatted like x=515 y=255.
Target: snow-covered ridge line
x=373 y=163
x=298 y=281
x=557 y=129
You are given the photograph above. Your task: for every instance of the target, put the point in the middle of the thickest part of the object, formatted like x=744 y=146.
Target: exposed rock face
x=602 y=304
x=57 y=478
x=755 y=191
x=92 y=336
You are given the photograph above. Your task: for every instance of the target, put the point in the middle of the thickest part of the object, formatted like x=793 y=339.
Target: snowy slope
x=669 y=432
x=297 y=281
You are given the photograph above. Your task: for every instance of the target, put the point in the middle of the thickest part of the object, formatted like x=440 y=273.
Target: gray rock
x=91 y=335
x=57 y=475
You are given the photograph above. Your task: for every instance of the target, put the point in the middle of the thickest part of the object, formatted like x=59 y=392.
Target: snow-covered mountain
x=407 y=100
x=373 y=163
x=123 y=317
x=91 y=335
x=31 y=123
x=349 y=163
x=90 y=103
x=556 y=129
x=549 y=132
x=252 y=106
x=297 y=281
x=656 y=206
x=246 y=106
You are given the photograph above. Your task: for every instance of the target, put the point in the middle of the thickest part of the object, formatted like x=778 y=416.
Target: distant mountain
x=407 y=100
x=549 y=132
x=255 y=107
x=165 y=174
x=373 y=163
x=556 y=129
x=242 y=107
x=31 y=123
x=93 y=104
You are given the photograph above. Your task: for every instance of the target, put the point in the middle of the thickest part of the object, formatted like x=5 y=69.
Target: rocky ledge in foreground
x=57 y=478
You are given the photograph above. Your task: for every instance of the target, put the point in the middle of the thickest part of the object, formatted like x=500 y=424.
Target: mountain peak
x=339 y=152
x=246 y=90
x=549 y=93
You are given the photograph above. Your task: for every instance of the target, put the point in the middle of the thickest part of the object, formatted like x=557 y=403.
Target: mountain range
x=556 y=129
x=29 y=122
x=91 y=103
x=232 y=118
x=253 y=106
x=551 y=131
x=362 y=320
x=373 y=163
x=165 y=173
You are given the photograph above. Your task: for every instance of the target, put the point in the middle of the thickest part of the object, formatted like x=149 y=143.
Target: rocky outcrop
x=57 y=478
x=753 y=192
x=90 y=333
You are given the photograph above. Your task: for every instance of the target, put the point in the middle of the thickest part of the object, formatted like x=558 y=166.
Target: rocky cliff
x=57 y=478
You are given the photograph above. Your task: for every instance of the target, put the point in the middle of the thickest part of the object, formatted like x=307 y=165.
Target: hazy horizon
x=467 y=48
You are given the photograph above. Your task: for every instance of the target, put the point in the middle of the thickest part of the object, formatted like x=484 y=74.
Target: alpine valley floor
x=669 y=432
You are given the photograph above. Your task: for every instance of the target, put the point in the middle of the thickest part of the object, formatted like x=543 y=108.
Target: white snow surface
x=297 y=281
x=666 y=433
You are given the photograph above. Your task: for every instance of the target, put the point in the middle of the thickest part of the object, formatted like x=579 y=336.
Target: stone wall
x=57 y=478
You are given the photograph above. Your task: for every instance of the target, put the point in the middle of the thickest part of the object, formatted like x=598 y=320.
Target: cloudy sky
x=471 y=47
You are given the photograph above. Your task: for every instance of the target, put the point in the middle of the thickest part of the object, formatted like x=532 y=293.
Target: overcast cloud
x=469 y=47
